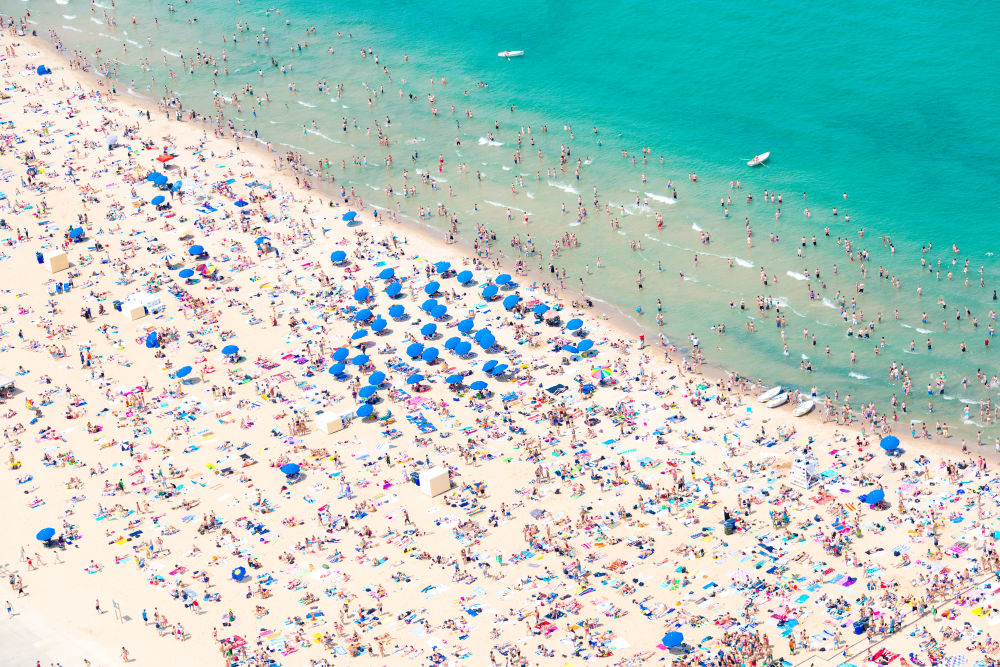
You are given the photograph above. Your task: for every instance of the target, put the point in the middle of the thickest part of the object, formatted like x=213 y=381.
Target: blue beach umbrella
x=152 y=340
x=572 y=349
x=574 y=324
x=240 y=203
x=415 y=379
x=159 y=178
x=45 y=534
x=196 y=250
x=261 y=240
x=464 y=277
x=487 y=341
x=359 y=334
x=185 y=273
x=455 y=378
x=230 y=349
x=439 y=311
x=502 y=279
x=430 y=354
x=290 y=469
x=414 y=350
x=361 y=294
x=397 y=310
x=350 y=215
x=183 y=371
x=387 y=274
x=490 y=365
x=510 y=301
x=500 y=369
x=365 y=410
x=239 y=574
x=463 y=348
x=478 y=385
x=379 y=324
x=465 y=326
x=363 y=315
x=338 y=256
x=428 y=329
x=452 y=342
x=873 y=497
x=585 y=345
x=366 y=392
x=672 y=639
x=392 y=289
x=490 y=291
x=428 y=305
x=157 y=200
x=151 y=176
x=432 y=287
x=341 y=353
x=376 y=378
x=889 y=443
x=540 y=309
x=337 y=369
x=360 y=360
x=442 y=266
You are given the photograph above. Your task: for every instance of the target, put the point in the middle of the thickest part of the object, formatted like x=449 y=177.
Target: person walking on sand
x=125 y=657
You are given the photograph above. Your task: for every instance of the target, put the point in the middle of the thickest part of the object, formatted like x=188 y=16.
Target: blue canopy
x=510 y=301
x=465 y=326
x=338 y=256
x=432 y=287
x=230 y=349
x=376 y=378
x=428 y=305
x=366 y=392
x=574 y=324
x=362 y=315
x=415 y=378
x=439 y=311
x=183 y=371
x=464 y=277
x=502 y=279
x=889 y=443
x=455 y=378
x=414 y=350
x=452 y=342
x=361 y=294
x=42 y=70
x=463 y=348
x=478 y=385
x=489 y=365
x=240 y=203
x=45 y=534
x=239 y=574
x=196 y=250
x=490 y=291
x=185 y=273
x=585 y=345
x=428 y=329
x=442 y=266
x=379 y=324
x=360 y=360
x=392 y=289
x=157 y=200
x=337 y=369
x=152 y=340
x=365 y=410
x=387 y=274
x=396 y=310
x=341 y=353
x=430 y=354
x=539 y=309
x=290 y=468
x=350 y=215
x=873 y=497
x=672 y=639
x=260 y=240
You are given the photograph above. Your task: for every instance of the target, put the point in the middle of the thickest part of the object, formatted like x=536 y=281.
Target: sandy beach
x=268 y=428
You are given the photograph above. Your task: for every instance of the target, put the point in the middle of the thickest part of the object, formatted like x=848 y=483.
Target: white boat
x=510 y=54
x=769 y=394
x=803 y=408
x=759 y=159
x=778 y=400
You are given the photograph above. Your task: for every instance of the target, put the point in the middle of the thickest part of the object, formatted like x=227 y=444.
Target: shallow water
x=890 y=107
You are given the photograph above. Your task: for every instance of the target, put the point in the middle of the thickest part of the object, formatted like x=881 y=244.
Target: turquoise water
x=893 y=104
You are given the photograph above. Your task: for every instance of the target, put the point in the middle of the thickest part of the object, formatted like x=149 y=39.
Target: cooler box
x=435 y=481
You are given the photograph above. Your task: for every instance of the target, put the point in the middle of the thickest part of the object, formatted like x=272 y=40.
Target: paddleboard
x=769 y=394
x=803 y=408
x=778 y=400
